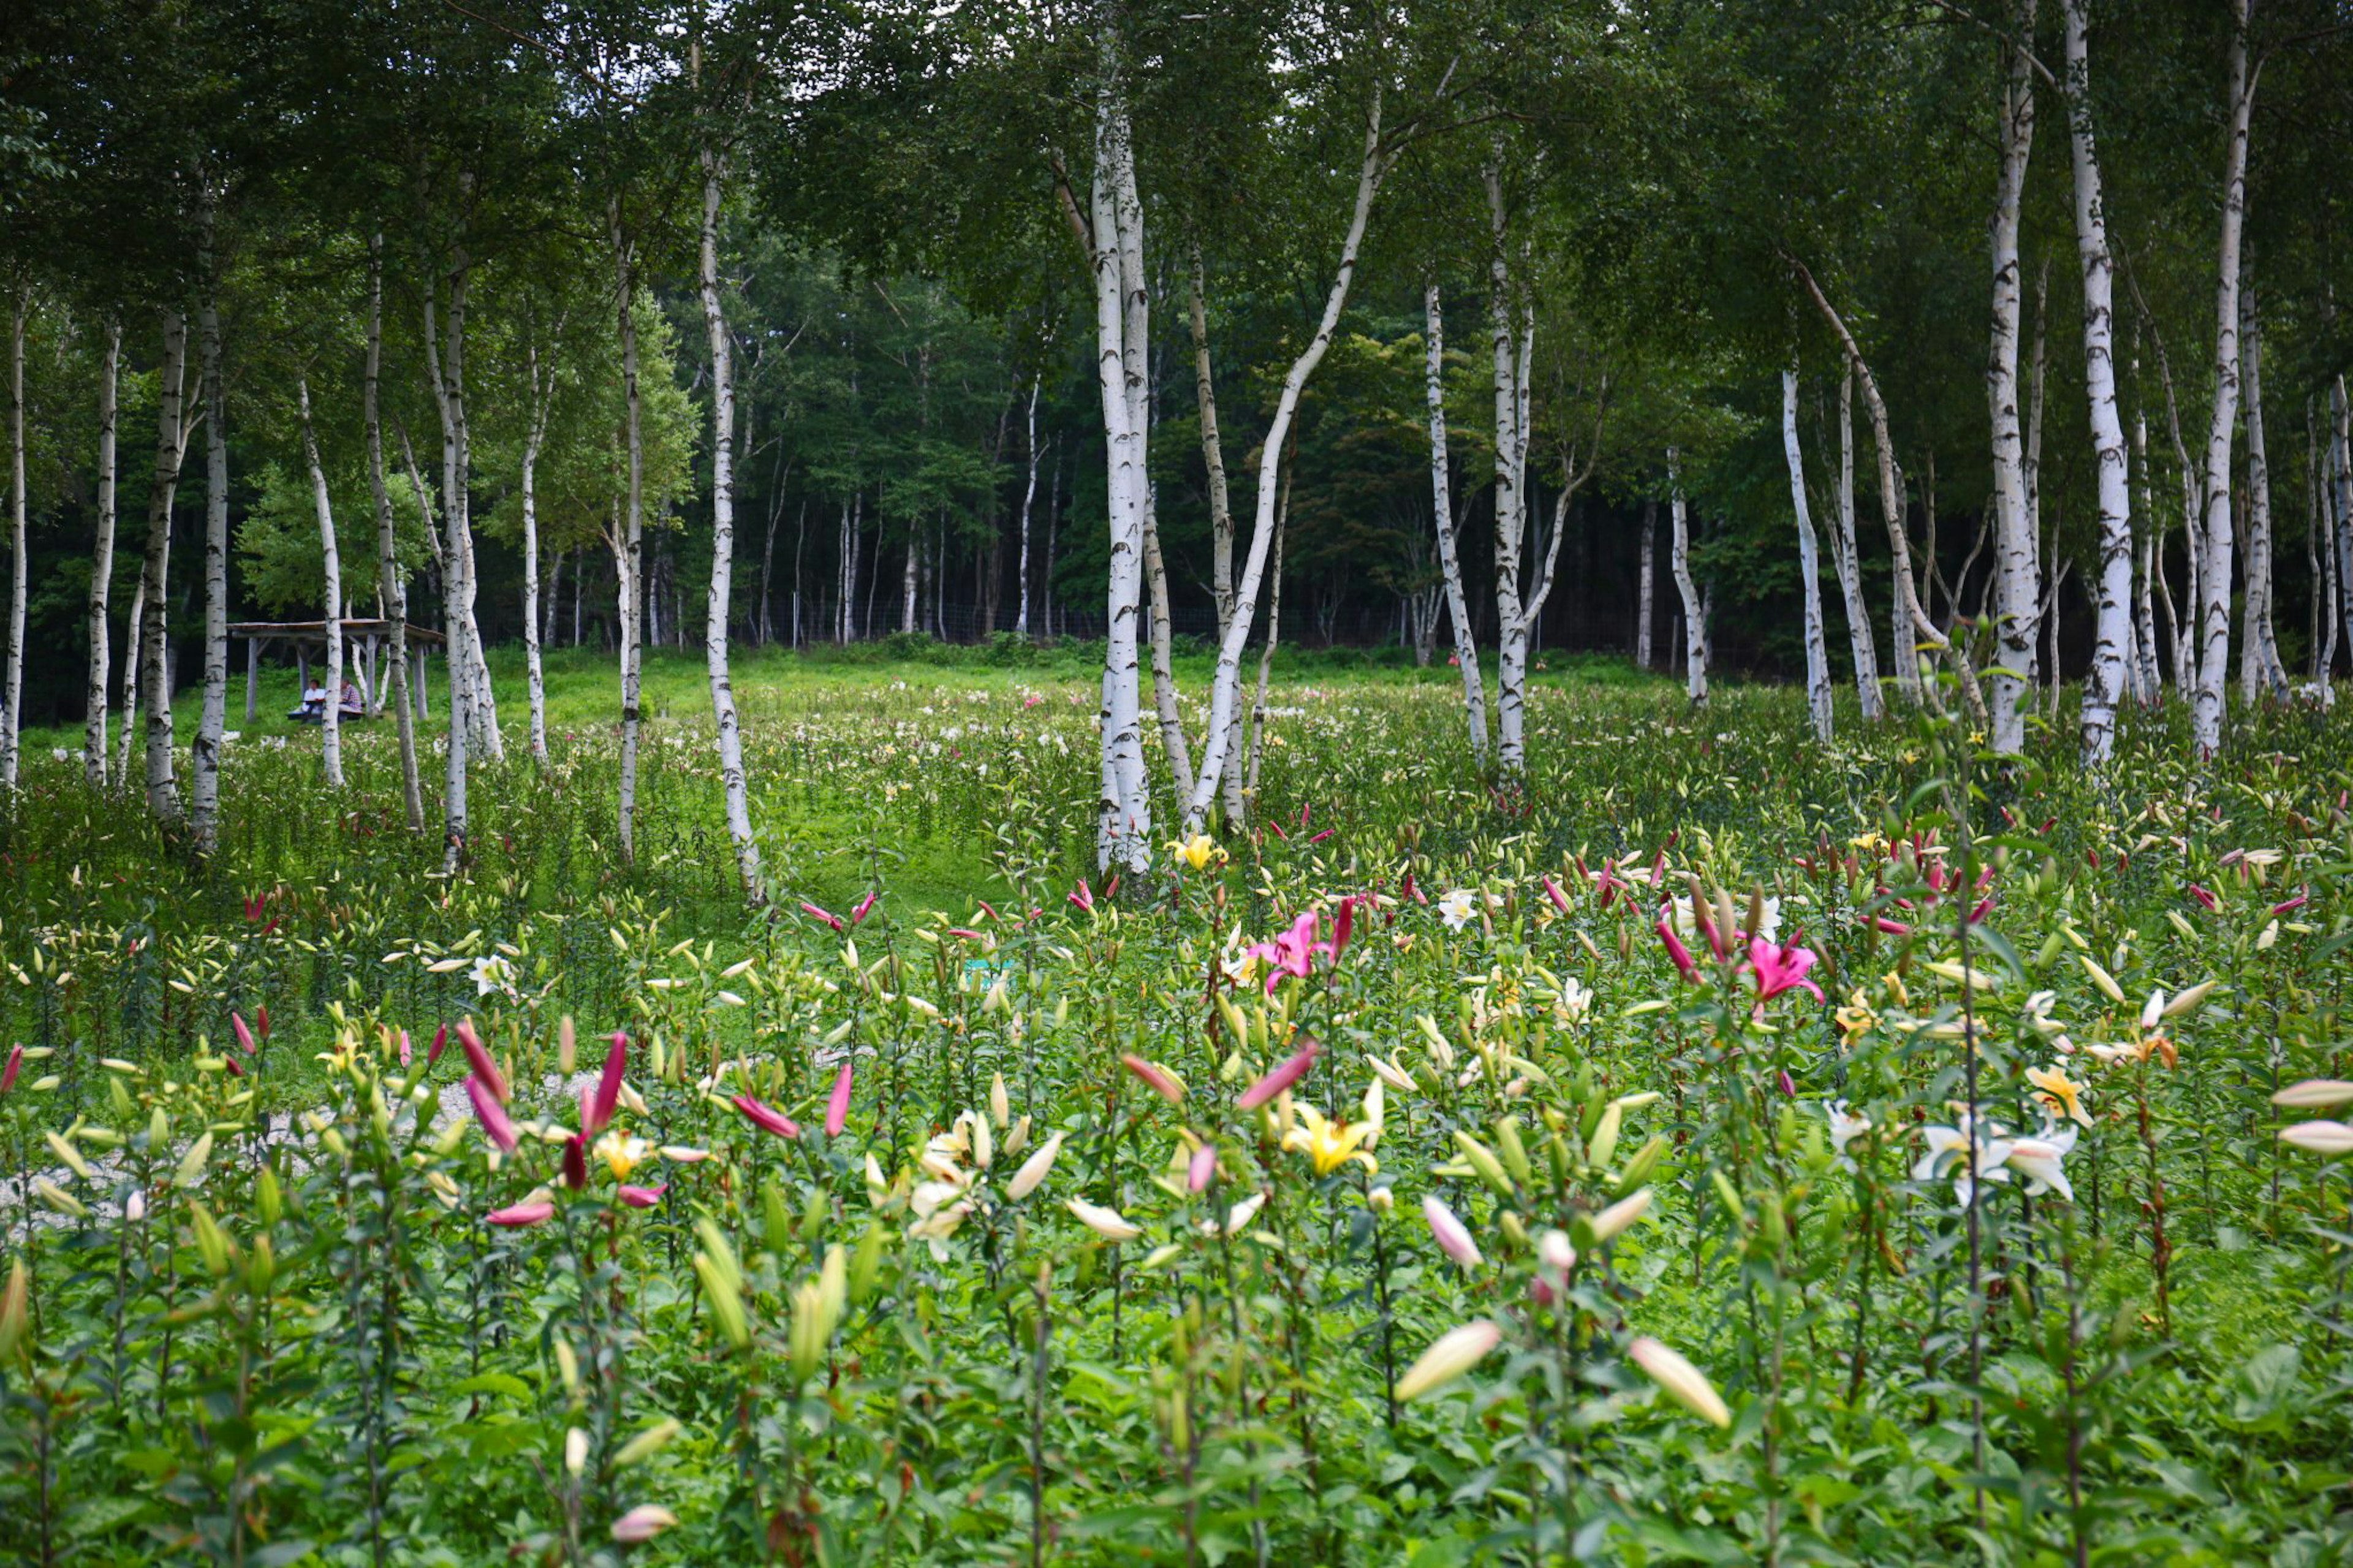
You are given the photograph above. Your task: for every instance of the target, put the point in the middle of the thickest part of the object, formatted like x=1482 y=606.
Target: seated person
x=315 y=705
x=354 y=706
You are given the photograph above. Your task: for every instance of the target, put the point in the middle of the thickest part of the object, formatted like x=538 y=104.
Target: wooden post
x=252 y=676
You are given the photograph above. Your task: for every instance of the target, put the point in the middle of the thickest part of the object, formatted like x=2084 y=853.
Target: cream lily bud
x=1033 y=1170
x=15 y=1309
x=1019 y=1139
x=567 y=1367
x=1453 y=1353
x=1001 y=1105
x=575 y=1451
x=642 y=1523
x=1680 y=1381
x=2103 y=979
x=2152 y=1010
x=2316 y=1094
x=649 y=1441
x=1453 y=1237
x=2320 y=1137
x=1555 y=1253
x=1613 y=1220
x=2190 y=998
x=1104 y=1221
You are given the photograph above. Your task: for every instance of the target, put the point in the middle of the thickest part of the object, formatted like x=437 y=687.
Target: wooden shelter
x=369 y=634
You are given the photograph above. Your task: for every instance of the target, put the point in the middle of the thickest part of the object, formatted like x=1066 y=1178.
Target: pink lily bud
x=1559 y=900
x=642 y=1523
x=2204 y=897
x=404 y=1047
x=1083 y=896
x=1788 y=1088
x=836 y=1104
x=827 y=916
x=1280 y=1079
x=966 y=932
x=1675 y=949
x=494 y=1116
x=2297 y=902
x=15 y=1065
x=484 y=1068
x=261 y=1020
x=760 y=1116
x=516 y=1215
x=1891 y=928
x=1342 y=923
x=1453 y=1237
x=244 y=1034
x=440 y=1039
x=1984 y=907
x=608 y=1086
x=575 y=1162
x=643 y=1197
x=234 y=1071
x=1203 y=1167
x=865 y=907
x=1157 y=1081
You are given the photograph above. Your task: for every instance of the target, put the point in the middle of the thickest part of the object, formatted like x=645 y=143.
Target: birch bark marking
x=629 y=546
x=2113 y=644
x=1817 y=657
x=154 y=674
x=2016 y=594
x=1225 y=688
x=18 y=579
x=1695 y=609
x=1509 y=329
x=331 y=729
x=101 y=569
x=2213 y=609
x=2259 y=663
x=389 y=573
x=1863 y=640
x=204 y=751
x=722 y=539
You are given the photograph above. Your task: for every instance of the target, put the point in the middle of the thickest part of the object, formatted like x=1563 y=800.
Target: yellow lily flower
x=2060 y=1092
x=1330 y=1144
x=621 y=1155
x=1199 y=852
x=1856 y=1018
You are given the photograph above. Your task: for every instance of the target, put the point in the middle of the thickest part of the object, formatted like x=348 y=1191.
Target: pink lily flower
x=1280 y=1079
x=643 y=1197
x=516 y=1215
x=484 y=1068
x=836 y=1104
x=1157 y=1081
x=763 y=1116
x=608 y=1088
x=1293 y=952
x=494 y=1116
x=1675 y=948
x=865 y=907
x=824 y=915
x=1781 y=968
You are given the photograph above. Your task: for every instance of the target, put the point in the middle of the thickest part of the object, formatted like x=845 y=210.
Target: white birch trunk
x=628 y=546
x=2259 y=663
x=331 y=729
x=1124 y=821
x=1644 y=593
x=154 y=673
x=20 y=579
x=2340 y=614
x=2017 y=585
x=2113 y=649
x=1510 y=333
x=454 y=560
x=1225 y=691
x=1221 y=517
x=1694 y=607
x=101 y=573
x=1863 y=641
x=1029 y=500
x=2147 y=563
x=211 y=714
x=1818 y=657
x=542 y=393
x=2213 y=606
x=1450 y=552
x=393 y=579
x=723 y=544
x=1164 y=674
x=1273 y=635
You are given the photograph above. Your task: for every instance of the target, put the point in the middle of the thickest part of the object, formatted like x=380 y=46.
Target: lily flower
x=1552 y=891
x=1845 y=1128
x=2060 y=1093
x=836 y=1104
x=2038 y=1160
x=1238 y=1218
x=1330 y=1144
x=1280 y=1079
x=1450 y=1355
x=1198 y=852
x=1458 y=909
x=244 y=1034
x=642 y=1197
x=1293 y=952
x=1679 y=1380
x=1948 y=1154
x=865 y=907
x=514 y=1217
x=494 y=1117
x=1453 y=1237
x=765 y=1118
x=621 y=1155
x=1083 y=896
x=1104 y=1221
x=1781 y=968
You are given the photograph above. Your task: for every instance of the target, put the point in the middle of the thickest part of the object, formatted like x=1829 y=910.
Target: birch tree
x=1818 y=659
x=2018 y=588
x=1450 y=554
x=331 y=724
x=102 y=568
x=391 y=573
x=18 y=536
x=204 y=751
x=154 y=673
x=1861 y=639
x=2213 y=606
x=723 y=517
x=1686 y=586
x=2260 y=669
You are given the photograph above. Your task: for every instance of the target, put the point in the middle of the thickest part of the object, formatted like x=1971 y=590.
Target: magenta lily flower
x=494 y=1116
x=1675 y=948
x=836 y=1104
x=484 y=1068
x=608 y=1088
x=1781 y=968
x=643 y=1197
x=827 y=916
x=1280 y=1079
x=765 y=1118
x=516 y=1215
x=1293 y=952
